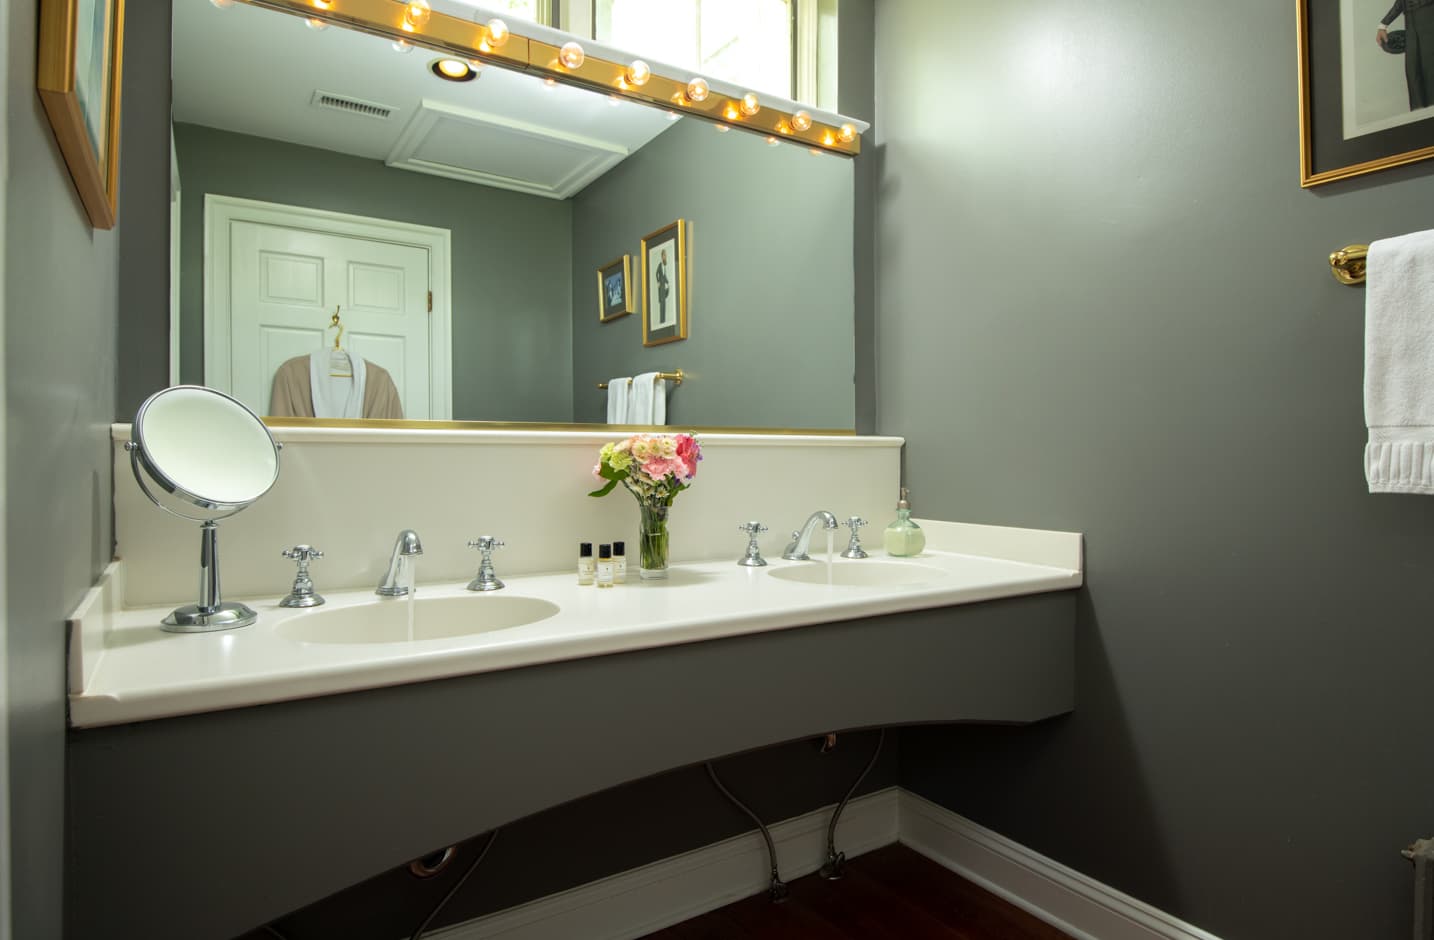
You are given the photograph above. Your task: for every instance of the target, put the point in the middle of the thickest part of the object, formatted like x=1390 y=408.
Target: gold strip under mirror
x=470 y=40
x=417 y=425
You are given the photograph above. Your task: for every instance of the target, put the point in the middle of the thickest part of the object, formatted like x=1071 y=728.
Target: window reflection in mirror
x=746 y=42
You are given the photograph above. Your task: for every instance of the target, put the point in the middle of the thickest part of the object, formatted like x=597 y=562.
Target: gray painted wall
x=59 y=346
x=601 y=835
x=511 y=338
x=771 y=313
x=143 y=351
x=1105 y=307
x=856 y=97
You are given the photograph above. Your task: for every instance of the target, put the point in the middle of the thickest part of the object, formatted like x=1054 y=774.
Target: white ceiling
x=254 y=71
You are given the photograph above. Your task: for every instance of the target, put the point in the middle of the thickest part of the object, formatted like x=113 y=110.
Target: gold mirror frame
x=470 y=40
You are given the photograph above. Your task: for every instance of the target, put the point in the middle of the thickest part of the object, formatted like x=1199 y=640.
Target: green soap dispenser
x=903 y=537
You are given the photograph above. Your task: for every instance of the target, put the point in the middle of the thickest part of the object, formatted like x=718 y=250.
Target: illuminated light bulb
x=802 y=121
x=316 y=24
x=402 y=45
x=697 y=90
x=750 y=105
x=638 y=73
x=571 y=55
x=416 y=13
x=848 y=133
x=722 y=128
x=454 y=70
x=828 y=139
x=222 y=4
x=730 y=113
x=497 y=33
x=322 y=4
x=772 y=141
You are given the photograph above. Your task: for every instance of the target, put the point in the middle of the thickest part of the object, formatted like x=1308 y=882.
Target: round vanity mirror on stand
x=211 y=456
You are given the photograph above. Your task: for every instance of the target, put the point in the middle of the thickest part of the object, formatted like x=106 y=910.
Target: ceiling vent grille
x=325 y=99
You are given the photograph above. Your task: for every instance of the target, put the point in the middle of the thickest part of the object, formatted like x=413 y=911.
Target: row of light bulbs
x=416 y=14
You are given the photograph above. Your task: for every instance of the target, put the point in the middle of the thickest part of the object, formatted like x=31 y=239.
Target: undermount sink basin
x=860 y=573
x=436 y=618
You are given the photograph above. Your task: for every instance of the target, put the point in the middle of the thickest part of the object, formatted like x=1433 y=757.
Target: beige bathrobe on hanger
x=292 y=396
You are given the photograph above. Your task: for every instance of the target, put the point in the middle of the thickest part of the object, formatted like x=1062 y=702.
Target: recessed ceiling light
x=453 y=70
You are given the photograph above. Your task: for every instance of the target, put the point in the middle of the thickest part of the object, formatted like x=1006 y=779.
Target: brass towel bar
x=1347 y=264
x=674 y=377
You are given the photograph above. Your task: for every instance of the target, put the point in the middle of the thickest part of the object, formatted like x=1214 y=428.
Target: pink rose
x=689 y=453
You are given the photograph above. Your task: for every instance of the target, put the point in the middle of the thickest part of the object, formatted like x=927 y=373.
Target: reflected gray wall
x=1105 y=307
x=771 y=312
x=511 y=334
x=856 y=97
x=59 y=350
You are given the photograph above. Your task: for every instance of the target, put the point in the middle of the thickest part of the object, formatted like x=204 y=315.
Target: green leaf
x=611 y=484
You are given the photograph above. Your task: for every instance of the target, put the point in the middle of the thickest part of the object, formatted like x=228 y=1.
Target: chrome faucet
x=487 y=578
x=407 y=546
x=797 y=551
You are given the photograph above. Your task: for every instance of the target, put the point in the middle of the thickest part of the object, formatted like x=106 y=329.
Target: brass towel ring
x=1348 y=264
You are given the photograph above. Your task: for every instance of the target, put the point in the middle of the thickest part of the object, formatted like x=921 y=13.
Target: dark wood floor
x=890 y=894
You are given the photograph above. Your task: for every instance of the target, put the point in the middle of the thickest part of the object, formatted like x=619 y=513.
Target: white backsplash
x=349 y=492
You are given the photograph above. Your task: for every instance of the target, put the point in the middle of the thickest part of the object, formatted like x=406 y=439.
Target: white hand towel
x=649 y=400
x=619 y=399
x=1399 y=365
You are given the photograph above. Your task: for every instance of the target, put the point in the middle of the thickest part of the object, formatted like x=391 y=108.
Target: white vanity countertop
x=124 y=668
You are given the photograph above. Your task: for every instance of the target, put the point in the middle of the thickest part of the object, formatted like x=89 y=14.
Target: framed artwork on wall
x=1366 y=86
x=615 y=289
x=664 y=285
x=80 y=55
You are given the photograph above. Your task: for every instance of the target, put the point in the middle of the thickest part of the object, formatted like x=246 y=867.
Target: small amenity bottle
x=604 y=566
x=585 y=562
x=619 y=562
x=904 y=537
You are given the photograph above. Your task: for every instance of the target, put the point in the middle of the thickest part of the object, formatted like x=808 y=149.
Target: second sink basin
x=435 y=618
x=861 y=573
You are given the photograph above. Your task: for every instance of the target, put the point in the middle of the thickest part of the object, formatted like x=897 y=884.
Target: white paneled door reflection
x=284 y=284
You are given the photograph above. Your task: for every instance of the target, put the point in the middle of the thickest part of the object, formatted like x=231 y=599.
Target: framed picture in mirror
x=664 y=285
x=1366 y=86
x=78 y=79
x=615 y=289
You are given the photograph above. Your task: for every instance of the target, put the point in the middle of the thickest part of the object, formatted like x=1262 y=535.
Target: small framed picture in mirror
x=664 y=285
x=615 y=289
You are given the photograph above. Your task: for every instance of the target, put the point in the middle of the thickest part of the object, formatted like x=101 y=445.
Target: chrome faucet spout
x=802 y=538
x=406 y=546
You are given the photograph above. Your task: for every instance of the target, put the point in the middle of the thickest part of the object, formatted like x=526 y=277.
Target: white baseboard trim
x=643 y=900
x=647 y=899
x=1060 y=896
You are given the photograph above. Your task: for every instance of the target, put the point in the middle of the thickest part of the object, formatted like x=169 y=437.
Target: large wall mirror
x=323 y=170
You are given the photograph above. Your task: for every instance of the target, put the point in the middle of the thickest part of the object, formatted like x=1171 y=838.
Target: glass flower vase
x=652 y=540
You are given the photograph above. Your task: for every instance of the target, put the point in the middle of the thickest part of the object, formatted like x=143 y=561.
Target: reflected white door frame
x=221 y=213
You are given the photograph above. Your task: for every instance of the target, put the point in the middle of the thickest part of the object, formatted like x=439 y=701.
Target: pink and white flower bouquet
x=654 y=468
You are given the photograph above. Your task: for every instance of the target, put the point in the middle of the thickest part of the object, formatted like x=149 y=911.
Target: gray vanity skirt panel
x=203 y=826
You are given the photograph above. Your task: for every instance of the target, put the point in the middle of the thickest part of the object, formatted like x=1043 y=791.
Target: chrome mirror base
x=193 y=619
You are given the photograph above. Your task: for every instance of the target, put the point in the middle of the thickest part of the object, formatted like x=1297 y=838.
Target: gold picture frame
x=665 y=264
x=79 y=80
x=1326 y=155
x=615 y=289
